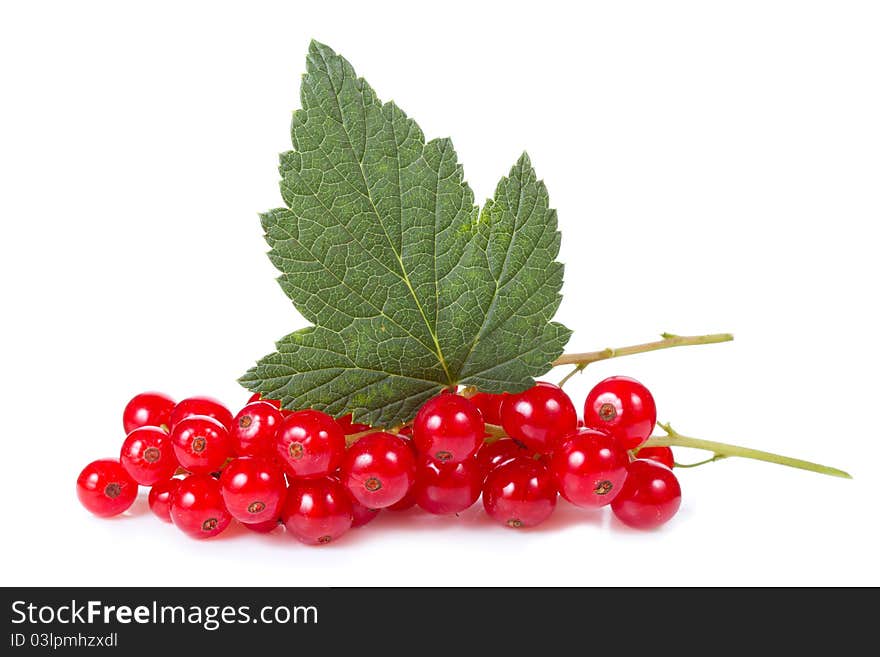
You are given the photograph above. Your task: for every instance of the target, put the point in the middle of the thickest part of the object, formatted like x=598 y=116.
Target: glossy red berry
x=379 y=469
x=201 y=406
x=660 y=454
x=105 y=488
x=444 y=488
x=197 y=507
x=405 y=503
x=499 y=452
x=258 y=397
x=317 y=511
x=489 y=406
x=160 y=498
x=147 y=409
x=622 y=407
x=147 y=455
x=520 y=493
x=650 y=496
x=263 y=527
x=349 y=426
x=253 y=489
x=310 y=444
x=539 y=416
x=254 y=429
x=448 y=429
x=362 y=515
x=201 y=444
x=589 y=468
x=408 y=501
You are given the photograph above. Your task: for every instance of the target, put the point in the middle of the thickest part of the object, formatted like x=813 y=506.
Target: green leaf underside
x=410 y=287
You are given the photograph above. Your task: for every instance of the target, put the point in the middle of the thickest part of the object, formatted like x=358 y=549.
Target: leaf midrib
x=405 y=278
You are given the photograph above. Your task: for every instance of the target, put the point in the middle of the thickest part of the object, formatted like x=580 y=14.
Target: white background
x=715 y=168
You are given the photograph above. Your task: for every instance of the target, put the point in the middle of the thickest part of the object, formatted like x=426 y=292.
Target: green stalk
x=724 y=450
x=581 y=360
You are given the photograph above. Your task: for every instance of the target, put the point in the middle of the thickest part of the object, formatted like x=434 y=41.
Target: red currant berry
x=201 y=406
x=263 y=527
x=660 y=454
x=379 y=469
x=147 y=455
x=258 y=397
x=160 y=498
x=310 y=444
x=197 y=507
x=361 y=514
x=589 y=468
x=520 y=493
x=407 y=502
x=254 y=429
x=317 y=511
x=539 y=416
x=105 y=488
x=622 y=407
x=489 y=406
x=499 y=452
x=650 y=496
x=349 y=426
x=448 y=428
x=253 y=489
x=443 y=488
x=147 y=409
x=201 y=444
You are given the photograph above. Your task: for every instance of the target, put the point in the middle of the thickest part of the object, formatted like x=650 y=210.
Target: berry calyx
x=160 y=498
x=310 y=444
x=105 y=488
x=650 y=497
x=317 y=511
x=147 y=409
x=147 y=455
x=622 y=407
x=444 y=488
x=539 y=417
x=254 y=429
x=660 y=454
x=201 y=444
x=520 y=493
x=197 y=507
x=589 y=468
x=253 y=489
x=499 y=452
x=448 y=428
x=201 y=406
x=378 y=470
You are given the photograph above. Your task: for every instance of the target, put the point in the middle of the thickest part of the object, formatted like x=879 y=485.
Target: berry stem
x=711 y=459
x=493 y=433
x=581 y=360
x=723 y=450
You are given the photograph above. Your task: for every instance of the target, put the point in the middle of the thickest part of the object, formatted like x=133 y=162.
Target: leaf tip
x=316 y=46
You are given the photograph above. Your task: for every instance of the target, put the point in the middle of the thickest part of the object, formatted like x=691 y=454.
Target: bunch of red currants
x=319 y=476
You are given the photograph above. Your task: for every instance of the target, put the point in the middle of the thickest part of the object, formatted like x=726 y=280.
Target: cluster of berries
x=319 y=476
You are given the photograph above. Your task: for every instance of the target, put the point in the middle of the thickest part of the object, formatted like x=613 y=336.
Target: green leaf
x=409 y=287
